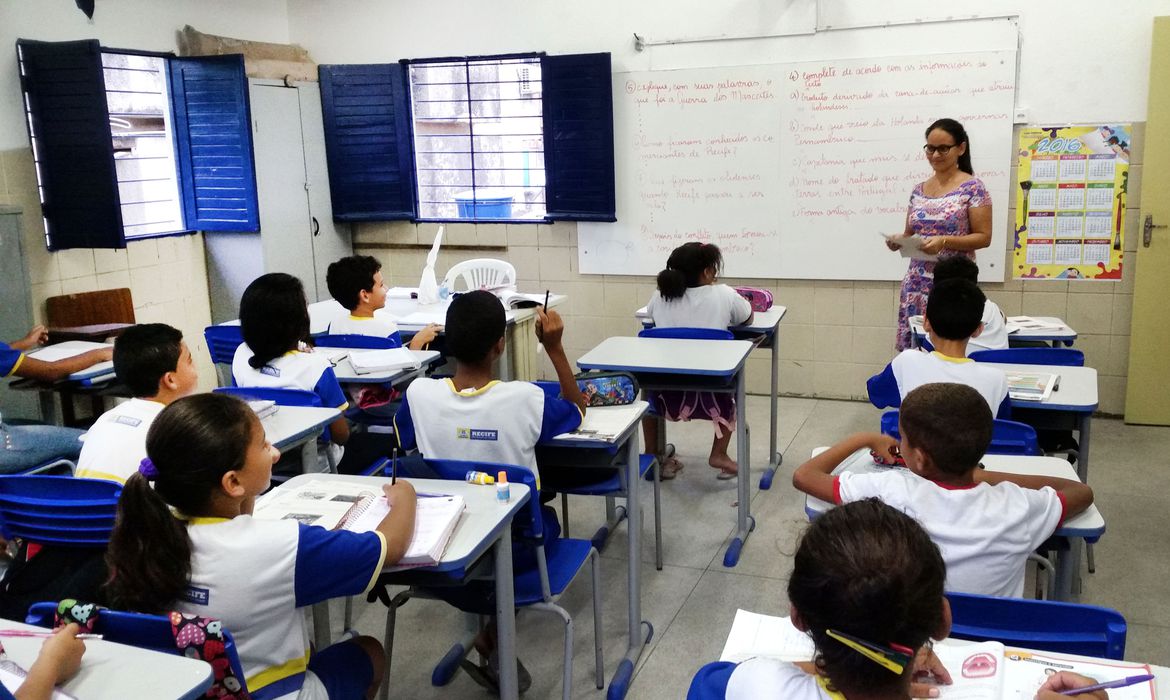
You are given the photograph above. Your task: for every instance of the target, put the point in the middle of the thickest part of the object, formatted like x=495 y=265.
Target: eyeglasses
x=941 y=150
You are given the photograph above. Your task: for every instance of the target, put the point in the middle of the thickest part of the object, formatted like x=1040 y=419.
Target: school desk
x=1064 y=336
x=111 y=671
x=664 y=364
x=299 y=426
x=624 y=454
x=485 y=525
x=765 y=325
x=1070 y=405
x=1087 y=526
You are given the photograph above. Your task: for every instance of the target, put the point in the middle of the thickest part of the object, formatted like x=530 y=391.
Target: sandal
x=726 y=475
x=488 y=678
x=670 y=468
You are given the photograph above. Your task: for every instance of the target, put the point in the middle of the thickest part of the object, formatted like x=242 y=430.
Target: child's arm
x=1077 y=496
x=815 y=477
x=549 y=328
x=39 y=335
x=33 y=368
x=339 y=431
x=59 y=659
x=1054 y=687
x=425 y=337
x=398 y=526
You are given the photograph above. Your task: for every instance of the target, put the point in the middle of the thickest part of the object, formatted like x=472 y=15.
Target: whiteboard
x=794 y=169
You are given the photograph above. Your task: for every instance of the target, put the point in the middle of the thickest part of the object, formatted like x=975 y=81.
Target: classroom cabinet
x=297 y=232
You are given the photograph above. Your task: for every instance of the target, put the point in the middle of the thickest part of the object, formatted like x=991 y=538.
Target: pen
x=30 y=633
x=1107 y=685
x=546 y=300
x=394 y=468
x=1056 y=383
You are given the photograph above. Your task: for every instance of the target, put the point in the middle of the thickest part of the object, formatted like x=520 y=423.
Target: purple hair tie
x=147 y=469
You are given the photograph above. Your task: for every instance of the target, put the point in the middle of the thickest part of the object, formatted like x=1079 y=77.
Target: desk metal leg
x=322 y=625
x=775 y=459
x=1083 y=429
x=745 y=523
x=640 y=631
x=1068 y=568
x=309 y=457
x=506 y=616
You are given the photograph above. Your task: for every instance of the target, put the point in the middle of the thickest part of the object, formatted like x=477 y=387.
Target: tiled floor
x=692 y=601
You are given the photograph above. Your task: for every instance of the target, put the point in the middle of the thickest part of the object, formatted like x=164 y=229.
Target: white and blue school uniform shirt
x=761 y=679
x=985 y=532
x=379 y=326
x=292 y=370
x=10 y=359
x=254 y=575
x=994 y=335
x=709 y=306
x=498 y=423
x=116 y=444
x=913 y=368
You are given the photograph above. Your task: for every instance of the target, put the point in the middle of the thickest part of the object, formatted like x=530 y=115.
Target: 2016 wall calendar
x=1070 y=204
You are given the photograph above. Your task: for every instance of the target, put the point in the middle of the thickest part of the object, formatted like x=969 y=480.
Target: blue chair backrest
x=1007 y=436
x=1061 y=357
x=456 y=470
x=151 y=632
x=1039 y=624
x=60 y=510
x=222 y=342
x=282 y=397
x=353 y=340
x=686 y=333
x=710 y=682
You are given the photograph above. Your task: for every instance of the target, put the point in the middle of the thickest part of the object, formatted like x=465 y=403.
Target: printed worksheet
x=1025 y=672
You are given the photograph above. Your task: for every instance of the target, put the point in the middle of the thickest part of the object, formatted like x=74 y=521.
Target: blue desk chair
x=1060 y=357
x=58 y=510
x=610 y=487
x=1039 y=624
x=558 y=562
x=710 y=682
x=222 y=342
x=1007 y=437
x=151 y=632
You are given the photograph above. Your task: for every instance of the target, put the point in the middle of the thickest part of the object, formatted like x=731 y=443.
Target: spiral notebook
x=12 y=677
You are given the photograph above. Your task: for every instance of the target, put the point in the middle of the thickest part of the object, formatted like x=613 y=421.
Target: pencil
x=30 y=633
x=394 y=468
x=546 y=301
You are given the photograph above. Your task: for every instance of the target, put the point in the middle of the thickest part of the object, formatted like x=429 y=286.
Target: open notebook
x=1031 y=386
x=359 y=508
x=367 y=361
x=979 y=671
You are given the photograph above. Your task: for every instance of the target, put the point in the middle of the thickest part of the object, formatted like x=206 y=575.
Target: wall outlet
x=1020 y=116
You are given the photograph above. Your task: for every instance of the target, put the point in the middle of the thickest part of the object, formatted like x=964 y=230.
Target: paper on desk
x=70 y=348
x=754 y=635
x=911 y=247
x=605 y=423
x=423 y=318
x=400 y=293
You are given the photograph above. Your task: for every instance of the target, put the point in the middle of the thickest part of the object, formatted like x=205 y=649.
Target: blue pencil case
x=608 y=388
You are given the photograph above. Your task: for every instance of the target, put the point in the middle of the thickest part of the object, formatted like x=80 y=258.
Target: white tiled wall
x=167 y=277
x=836 y=334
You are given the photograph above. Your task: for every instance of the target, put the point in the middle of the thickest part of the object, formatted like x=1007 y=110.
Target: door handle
x=316 y=226
x=1148 y=230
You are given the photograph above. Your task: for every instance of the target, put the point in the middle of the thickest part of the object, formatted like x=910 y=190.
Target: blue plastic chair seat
x=58 y=509
x=710 y=682
x=222 y=342
x=687 y=333
x=564 y=557
x=1045 y=625
x=358 y=341
x=1061 y=357
x=1007 y=437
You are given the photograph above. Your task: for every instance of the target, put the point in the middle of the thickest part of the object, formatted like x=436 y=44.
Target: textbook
x=263 y=408
x=368 y=361
x=518 y=300
x=1015 y=324
x=346 y=505
x=1031 y=386
x=605 y=423
x=979 y=671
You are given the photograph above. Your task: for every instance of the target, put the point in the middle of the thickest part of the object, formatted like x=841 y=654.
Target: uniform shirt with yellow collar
x=500 y=423
x=292 y=370
x=913 y=368
x=10 y=359
x=116 y=444
x=762 y=678
x=254 y=575
x=378 y=325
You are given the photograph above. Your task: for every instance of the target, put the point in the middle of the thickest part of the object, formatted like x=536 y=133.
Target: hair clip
x=147 y=469
x=893 y=658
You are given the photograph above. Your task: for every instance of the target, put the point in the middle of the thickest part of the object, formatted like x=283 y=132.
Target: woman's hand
x=1066 y=680
x=892 y=242
x=933 y=244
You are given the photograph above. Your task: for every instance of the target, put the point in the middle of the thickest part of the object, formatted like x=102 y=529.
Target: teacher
x=951 y=211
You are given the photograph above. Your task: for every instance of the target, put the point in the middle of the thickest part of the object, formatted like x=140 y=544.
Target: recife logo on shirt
x=196 y=596
x=476 y=434
x=270 y=371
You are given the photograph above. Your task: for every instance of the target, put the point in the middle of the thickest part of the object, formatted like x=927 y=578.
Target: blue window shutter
x=368 y=141
x=70 y=123
x=578 y=137
x=213 y=141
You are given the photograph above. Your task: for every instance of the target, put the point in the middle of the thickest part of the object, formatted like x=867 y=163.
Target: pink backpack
x=760 y=299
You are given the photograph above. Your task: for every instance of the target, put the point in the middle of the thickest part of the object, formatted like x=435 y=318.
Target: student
x=356 y=283
x=954 y=313
x=689 y=296
x=32 y=445
x=152 y=360
x=274 y=320
x=190 y=544
x=994 y=335
x=866 y=572
x=986 y=523
x=57 y=662
x=472 y=416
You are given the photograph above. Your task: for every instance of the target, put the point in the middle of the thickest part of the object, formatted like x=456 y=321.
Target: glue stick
x=481 y=478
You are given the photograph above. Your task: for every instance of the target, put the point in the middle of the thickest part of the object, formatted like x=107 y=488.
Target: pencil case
x=760 y=299
x=608 y=388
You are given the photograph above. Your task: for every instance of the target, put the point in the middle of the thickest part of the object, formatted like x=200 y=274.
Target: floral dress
x=945 y=215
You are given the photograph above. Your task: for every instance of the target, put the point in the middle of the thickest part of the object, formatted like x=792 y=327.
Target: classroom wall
x=837 y=333
x=167 y=277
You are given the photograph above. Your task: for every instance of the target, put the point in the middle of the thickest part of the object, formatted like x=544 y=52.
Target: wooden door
x=1147 y=397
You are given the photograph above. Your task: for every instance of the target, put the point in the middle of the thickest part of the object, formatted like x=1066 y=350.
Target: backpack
x=760 y=299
